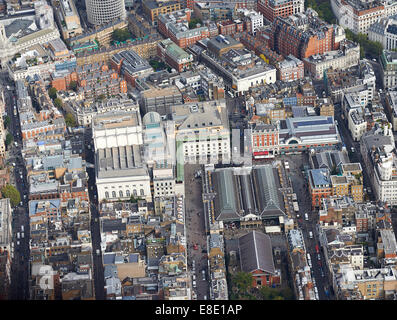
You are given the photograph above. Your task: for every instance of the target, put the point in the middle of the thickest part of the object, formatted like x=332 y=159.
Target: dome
x=151 y=118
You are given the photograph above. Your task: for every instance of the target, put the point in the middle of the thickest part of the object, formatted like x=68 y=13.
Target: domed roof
x=151 y=118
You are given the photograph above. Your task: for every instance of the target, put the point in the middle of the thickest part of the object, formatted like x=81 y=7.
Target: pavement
x=300 y=187
x=20 y=266
x=195 y=230
x=99 y=280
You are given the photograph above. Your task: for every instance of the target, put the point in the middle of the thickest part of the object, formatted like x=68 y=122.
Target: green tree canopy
x=73 y=85
x=367 y=47
x=323 y=8
x=193 y=23
x=121 y=35
x=70 y=120
x=7 y=121
x=12 y=193
x=243 y=282
x=9 y=139
x=58 y=103
x=52 y=92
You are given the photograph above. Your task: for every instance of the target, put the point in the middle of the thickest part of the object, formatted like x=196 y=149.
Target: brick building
x=173 y=55
x=130 y=65
x=256 y=257
x=302 y=36
x=319 y=186
x=264 y=140
x=271 y=9
x=290 y=69
x=176 y=27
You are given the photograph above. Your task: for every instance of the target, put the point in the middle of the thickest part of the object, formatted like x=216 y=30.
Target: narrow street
x=195 y=231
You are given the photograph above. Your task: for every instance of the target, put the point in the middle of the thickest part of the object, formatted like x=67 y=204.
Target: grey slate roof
x=255 y=251
x=256 y=192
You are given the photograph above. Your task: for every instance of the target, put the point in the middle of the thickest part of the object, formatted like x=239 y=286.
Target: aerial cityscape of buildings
x=175 y=149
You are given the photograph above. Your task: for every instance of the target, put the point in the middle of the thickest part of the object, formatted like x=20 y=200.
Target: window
x=114 y=194
x=128 y=193
x=142 y=192
x=121 y=194
x=135 y=193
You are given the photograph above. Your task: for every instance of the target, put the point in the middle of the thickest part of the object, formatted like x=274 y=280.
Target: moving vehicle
x=203 y=272
x=194 y=284
x=18 y=235
x=98 y=252
x=306 y=217
x=317 y=248
x=310 y=235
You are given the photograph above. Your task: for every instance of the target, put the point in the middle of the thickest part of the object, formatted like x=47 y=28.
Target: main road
x=95 y=224
x=20 y=263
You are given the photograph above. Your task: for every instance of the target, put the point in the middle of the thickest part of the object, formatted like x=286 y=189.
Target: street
x=195 y=231
x=20 y=264
x=95 y=226
x=300 y=187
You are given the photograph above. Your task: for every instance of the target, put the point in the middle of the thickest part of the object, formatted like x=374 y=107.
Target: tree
x=12 y=193
x=193 y=23
x=9 y=139
x=367 y=47
x=73 y=85
x=243 y=282
x=121 y=35
x=70 y=120
x=134 y=199
x=52 y=92
x=58 y=103
x=7 y=121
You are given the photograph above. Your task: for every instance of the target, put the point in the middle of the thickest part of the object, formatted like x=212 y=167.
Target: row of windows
x=121 y=193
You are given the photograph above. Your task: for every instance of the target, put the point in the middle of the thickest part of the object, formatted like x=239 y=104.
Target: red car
x=195 y=247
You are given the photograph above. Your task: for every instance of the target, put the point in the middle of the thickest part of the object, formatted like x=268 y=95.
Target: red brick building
x=265 y=140
x=62 y=83
x=319 y=186
x=227 y=27
x=289 y=39
x=271 y=9
x=256 y=258
x=175 y=26
x=290 y=69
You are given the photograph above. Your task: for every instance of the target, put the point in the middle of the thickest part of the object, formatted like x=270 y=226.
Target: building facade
x=104 y=11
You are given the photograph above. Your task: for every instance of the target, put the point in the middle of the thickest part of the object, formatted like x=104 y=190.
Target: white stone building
x=347 y=56
x=105 y=11
x=120 y=171
x=202 y=132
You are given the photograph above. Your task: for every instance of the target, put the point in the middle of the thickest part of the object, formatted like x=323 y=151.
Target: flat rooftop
x=112 y=120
